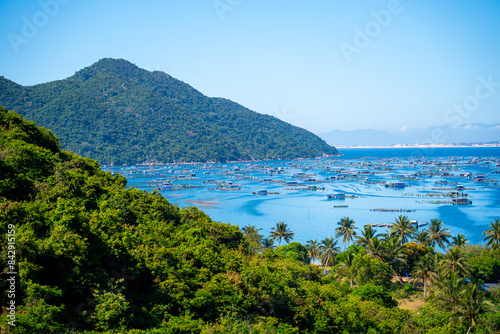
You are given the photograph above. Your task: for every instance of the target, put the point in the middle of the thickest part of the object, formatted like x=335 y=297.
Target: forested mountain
x=117 y=113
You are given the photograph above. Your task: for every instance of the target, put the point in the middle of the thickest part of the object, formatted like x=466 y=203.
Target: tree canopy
x=95 y=257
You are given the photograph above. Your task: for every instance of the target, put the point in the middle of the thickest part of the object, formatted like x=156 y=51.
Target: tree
x=251 y=233
x=366 y=236
x=313 y=249
x=485 y=268
x=394 y=254
x=345 y=230
x=413 y=253
x=459 y=241
x=470 y=305
x=375 y=293
x=493 y=235
x=454 y=262
x=421 y=237
x=425 y=270
x=294 y=251
x=344 y=268
x=376 y=249
x=281 y=231
x=268 y=243
x=328 y=250
x=110 y=309
x=402 y=228
x=369 y=270
x=438 y=235
x=447 y=294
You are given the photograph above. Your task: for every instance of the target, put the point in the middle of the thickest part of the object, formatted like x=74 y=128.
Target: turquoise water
x=311 y=215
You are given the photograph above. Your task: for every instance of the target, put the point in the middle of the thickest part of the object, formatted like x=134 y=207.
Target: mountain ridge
x=118 y=113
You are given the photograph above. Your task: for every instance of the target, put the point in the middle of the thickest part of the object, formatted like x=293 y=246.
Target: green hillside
x=92 y=256
x=117 y=113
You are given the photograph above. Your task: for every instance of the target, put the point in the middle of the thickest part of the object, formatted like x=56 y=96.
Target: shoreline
x=178 y=163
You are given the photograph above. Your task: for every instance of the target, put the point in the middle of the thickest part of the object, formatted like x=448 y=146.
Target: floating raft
x=226 y=188
x=464 y=188
x=392 y=210
x=176 y=187
x=459 y=201
x=413 y=223
x=434 y=202
x=314 y=188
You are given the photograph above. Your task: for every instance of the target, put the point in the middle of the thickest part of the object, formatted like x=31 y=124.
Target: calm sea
x=311 y=215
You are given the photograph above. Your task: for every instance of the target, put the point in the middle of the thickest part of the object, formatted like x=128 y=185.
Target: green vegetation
x=345 y=230
x=93 y=256
x=117 y=113
x=281 y=231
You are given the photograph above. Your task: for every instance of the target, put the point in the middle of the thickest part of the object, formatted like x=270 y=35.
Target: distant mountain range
x=117 y=113
x=470 y=133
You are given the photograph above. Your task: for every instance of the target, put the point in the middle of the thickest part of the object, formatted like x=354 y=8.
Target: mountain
x=117 y=113
x=446 y=134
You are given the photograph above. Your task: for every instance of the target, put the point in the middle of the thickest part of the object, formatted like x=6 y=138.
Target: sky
x=322 y=65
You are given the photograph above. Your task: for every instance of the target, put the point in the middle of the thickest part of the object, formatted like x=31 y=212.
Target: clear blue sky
x=305 y=62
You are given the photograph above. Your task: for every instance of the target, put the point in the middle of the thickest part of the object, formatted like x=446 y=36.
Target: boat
x=461 y=201
x=336 y=196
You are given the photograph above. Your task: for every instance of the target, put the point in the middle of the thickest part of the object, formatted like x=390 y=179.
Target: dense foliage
x=93 y=256
x=118 y=113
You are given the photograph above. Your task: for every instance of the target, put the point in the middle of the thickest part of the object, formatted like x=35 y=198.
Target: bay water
x=228 y=192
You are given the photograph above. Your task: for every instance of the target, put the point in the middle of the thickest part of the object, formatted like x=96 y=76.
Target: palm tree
x=395 y=254
x=345 y=230
x=421 y=238
x=268 y=242
x=470 y=305
x=454 y=262
x=376 y=249
x=281 y=231
x=384 y=236
x=459 y=240
x=493 y=235
x=367 y=234
x=329 y=250
x=438 y=235
x=251 y=233
x=448 y=291
x=313 y=249
x=402 y=228
x=345 y=268
x=425 y=270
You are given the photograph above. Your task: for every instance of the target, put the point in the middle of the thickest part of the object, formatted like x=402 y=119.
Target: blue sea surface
x=311 y=215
